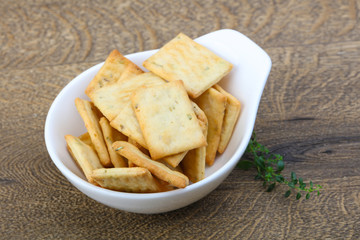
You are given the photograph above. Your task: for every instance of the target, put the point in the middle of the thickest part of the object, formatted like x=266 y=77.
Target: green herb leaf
x=279 y=178
x=298 y=196
x=287 y=193
x=271 y=187
x=260 y=162
x=280 y=165
x=245 y=164
x=269 y=167
x=301 y=181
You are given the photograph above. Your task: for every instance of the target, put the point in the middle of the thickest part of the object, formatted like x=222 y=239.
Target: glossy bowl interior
x=246 y=82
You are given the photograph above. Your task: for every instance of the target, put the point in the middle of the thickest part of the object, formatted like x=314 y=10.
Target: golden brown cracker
x=232 y=112
x=141 y=148
x=91 y=121
x=126 y=121
x=184 y=59
x=213 y=104
x=108 y=100
x=108 y=134
x=193 y=164
x=175 y=159
x=85 y=157
x=137 y=179
x=116 y=66
x=201 y=116
x=167 y=120
x=86 y=139
x=158 y=169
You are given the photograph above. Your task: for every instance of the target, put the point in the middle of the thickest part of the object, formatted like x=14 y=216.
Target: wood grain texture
x=309 y=113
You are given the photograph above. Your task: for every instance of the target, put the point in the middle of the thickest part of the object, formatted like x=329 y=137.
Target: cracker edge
x=132 y=153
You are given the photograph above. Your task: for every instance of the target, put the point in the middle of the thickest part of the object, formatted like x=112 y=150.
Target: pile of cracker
x=155 y=131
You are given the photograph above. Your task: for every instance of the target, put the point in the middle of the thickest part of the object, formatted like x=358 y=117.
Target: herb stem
x=269 y=167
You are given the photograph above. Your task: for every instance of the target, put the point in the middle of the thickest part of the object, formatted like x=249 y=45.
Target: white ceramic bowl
x=246 y=82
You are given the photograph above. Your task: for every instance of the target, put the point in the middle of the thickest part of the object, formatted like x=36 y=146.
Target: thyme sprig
x=269 y=167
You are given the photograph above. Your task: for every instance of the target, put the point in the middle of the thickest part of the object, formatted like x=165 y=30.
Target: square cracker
x=134 y=179
x=103 y=89
x=87 y=112
x=232 y=112
x=194 y=162
x=85 y=157
x=126 y=122
x=174 y=160
x=141 y=148
x=86 y=139
x=167 y=119
x=158 y=169
x=184 y=59
x=115 y=68
x=108 y=100
x=110 y=135
x=213 y=104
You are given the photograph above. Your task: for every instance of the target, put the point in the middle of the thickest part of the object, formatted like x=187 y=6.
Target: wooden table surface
x=309 y=113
